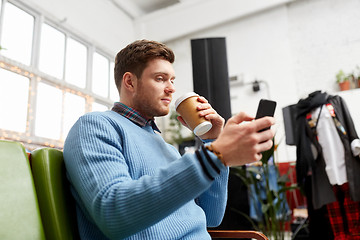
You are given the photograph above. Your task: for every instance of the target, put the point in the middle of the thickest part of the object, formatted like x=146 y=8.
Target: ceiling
x=194 y=15
x=139 y=8
x=153 y=5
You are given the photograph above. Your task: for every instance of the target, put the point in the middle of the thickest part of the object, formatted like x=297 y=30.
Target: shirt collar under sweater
x=133 y=115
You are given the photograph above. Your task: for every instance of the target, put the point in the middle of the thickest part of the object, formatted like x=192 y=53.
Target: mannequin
x=328 y=149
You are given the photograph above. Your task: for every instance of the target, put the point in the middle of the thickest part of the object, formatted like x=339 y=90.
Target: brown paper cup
x=186 y=107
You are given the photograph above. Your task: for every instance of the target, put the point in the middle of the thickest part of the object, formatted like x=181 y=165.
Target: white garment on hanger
x=332 y=146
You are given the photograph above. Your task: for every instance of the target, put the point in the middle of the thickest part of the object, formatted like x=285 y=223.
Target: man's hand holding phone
x=239 y=143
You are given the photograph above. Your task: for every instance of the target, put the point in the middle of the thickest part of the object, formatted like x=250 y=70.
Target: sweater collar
x=133 y=116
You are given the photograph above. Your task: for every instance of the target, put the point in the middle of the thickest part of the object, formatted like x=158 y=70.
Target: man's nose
x=170 y=88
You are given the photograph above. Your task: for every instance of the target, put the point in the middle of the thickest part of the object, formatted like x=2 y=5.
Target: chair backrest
x=57 y=206
x=19 y=210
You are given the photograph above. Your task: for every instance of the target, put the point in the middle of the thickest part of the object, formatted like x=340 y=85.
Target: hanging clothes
x=332 y=161
x=321 y=121
x=310 y=157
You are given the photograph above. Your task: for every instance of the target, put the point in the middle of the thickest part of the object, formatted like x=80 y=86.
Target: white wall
x=296 y=48
x=323 y=40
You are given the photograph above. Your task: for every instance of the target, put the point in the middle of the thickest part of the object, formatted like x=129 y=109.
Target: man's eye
x=160 y=79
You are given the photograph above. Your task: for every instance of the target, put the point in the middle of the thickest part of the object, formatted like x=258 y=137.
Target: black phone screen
x=266 y=108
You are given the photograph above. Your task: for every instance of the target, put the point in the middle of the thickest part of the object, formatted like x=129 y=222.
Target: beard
x=150 y=108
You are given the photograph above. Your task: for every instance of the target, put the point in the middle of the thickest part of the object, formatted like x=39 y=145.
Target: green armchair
x=19 y=210
x=36 y=203
x=56 y=203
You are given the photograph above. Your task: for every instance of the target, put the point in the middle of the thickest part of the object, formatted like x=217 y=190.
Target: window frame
x=35 y=76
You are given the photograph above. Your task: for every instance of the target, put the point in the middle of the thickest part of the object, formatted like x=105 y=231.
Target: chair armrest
x=237 y=234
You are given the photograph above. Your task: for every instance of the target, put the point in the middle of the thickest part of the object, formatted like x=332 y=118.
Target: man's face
x=155 y=88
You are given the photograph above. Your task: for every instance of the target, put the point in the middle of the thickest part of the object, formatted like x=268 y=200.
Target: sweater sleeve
x=213 y=201
x=118 y=204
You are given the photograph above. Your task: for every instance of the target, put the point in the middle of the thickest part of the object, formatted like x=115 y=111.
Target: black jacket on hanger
x=310 y=163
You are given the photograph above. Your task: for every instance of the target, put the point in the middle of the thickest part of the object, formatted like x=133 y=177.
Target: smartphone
x=266 y=108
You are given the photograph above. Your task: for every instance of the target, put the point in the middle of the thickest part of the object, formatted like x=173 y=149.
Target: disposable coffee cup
x=186 y=107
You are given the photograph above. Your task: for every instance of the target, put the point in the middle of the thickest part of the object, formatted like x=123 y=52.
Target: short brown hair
x=135 y=56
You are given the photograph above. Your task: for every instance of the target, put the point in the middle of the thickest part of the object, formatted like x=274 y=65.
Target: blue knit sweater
x=130 y=184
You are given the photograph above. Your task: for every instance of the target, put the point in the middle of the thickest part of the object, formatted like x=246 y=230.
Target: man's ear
x=129 y=81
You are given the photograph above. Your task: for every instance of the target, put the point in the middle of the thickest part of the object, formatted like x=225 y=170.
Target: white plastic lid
x=183 y=97
x=202 y=128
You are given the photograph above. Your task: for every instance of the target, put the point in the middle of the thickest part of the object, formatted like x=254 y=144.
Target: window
x=44 y=78
x=100 y=76
x=17 y=34
x=74 y=107
x=114 y=94
x=48 y=111
x=14 y=93
x=75 y=69
x=52 y=47
x=98 y=107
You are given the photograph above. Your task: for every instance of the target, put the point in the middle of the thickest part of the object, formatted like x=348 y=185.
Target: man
x=129 y=183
